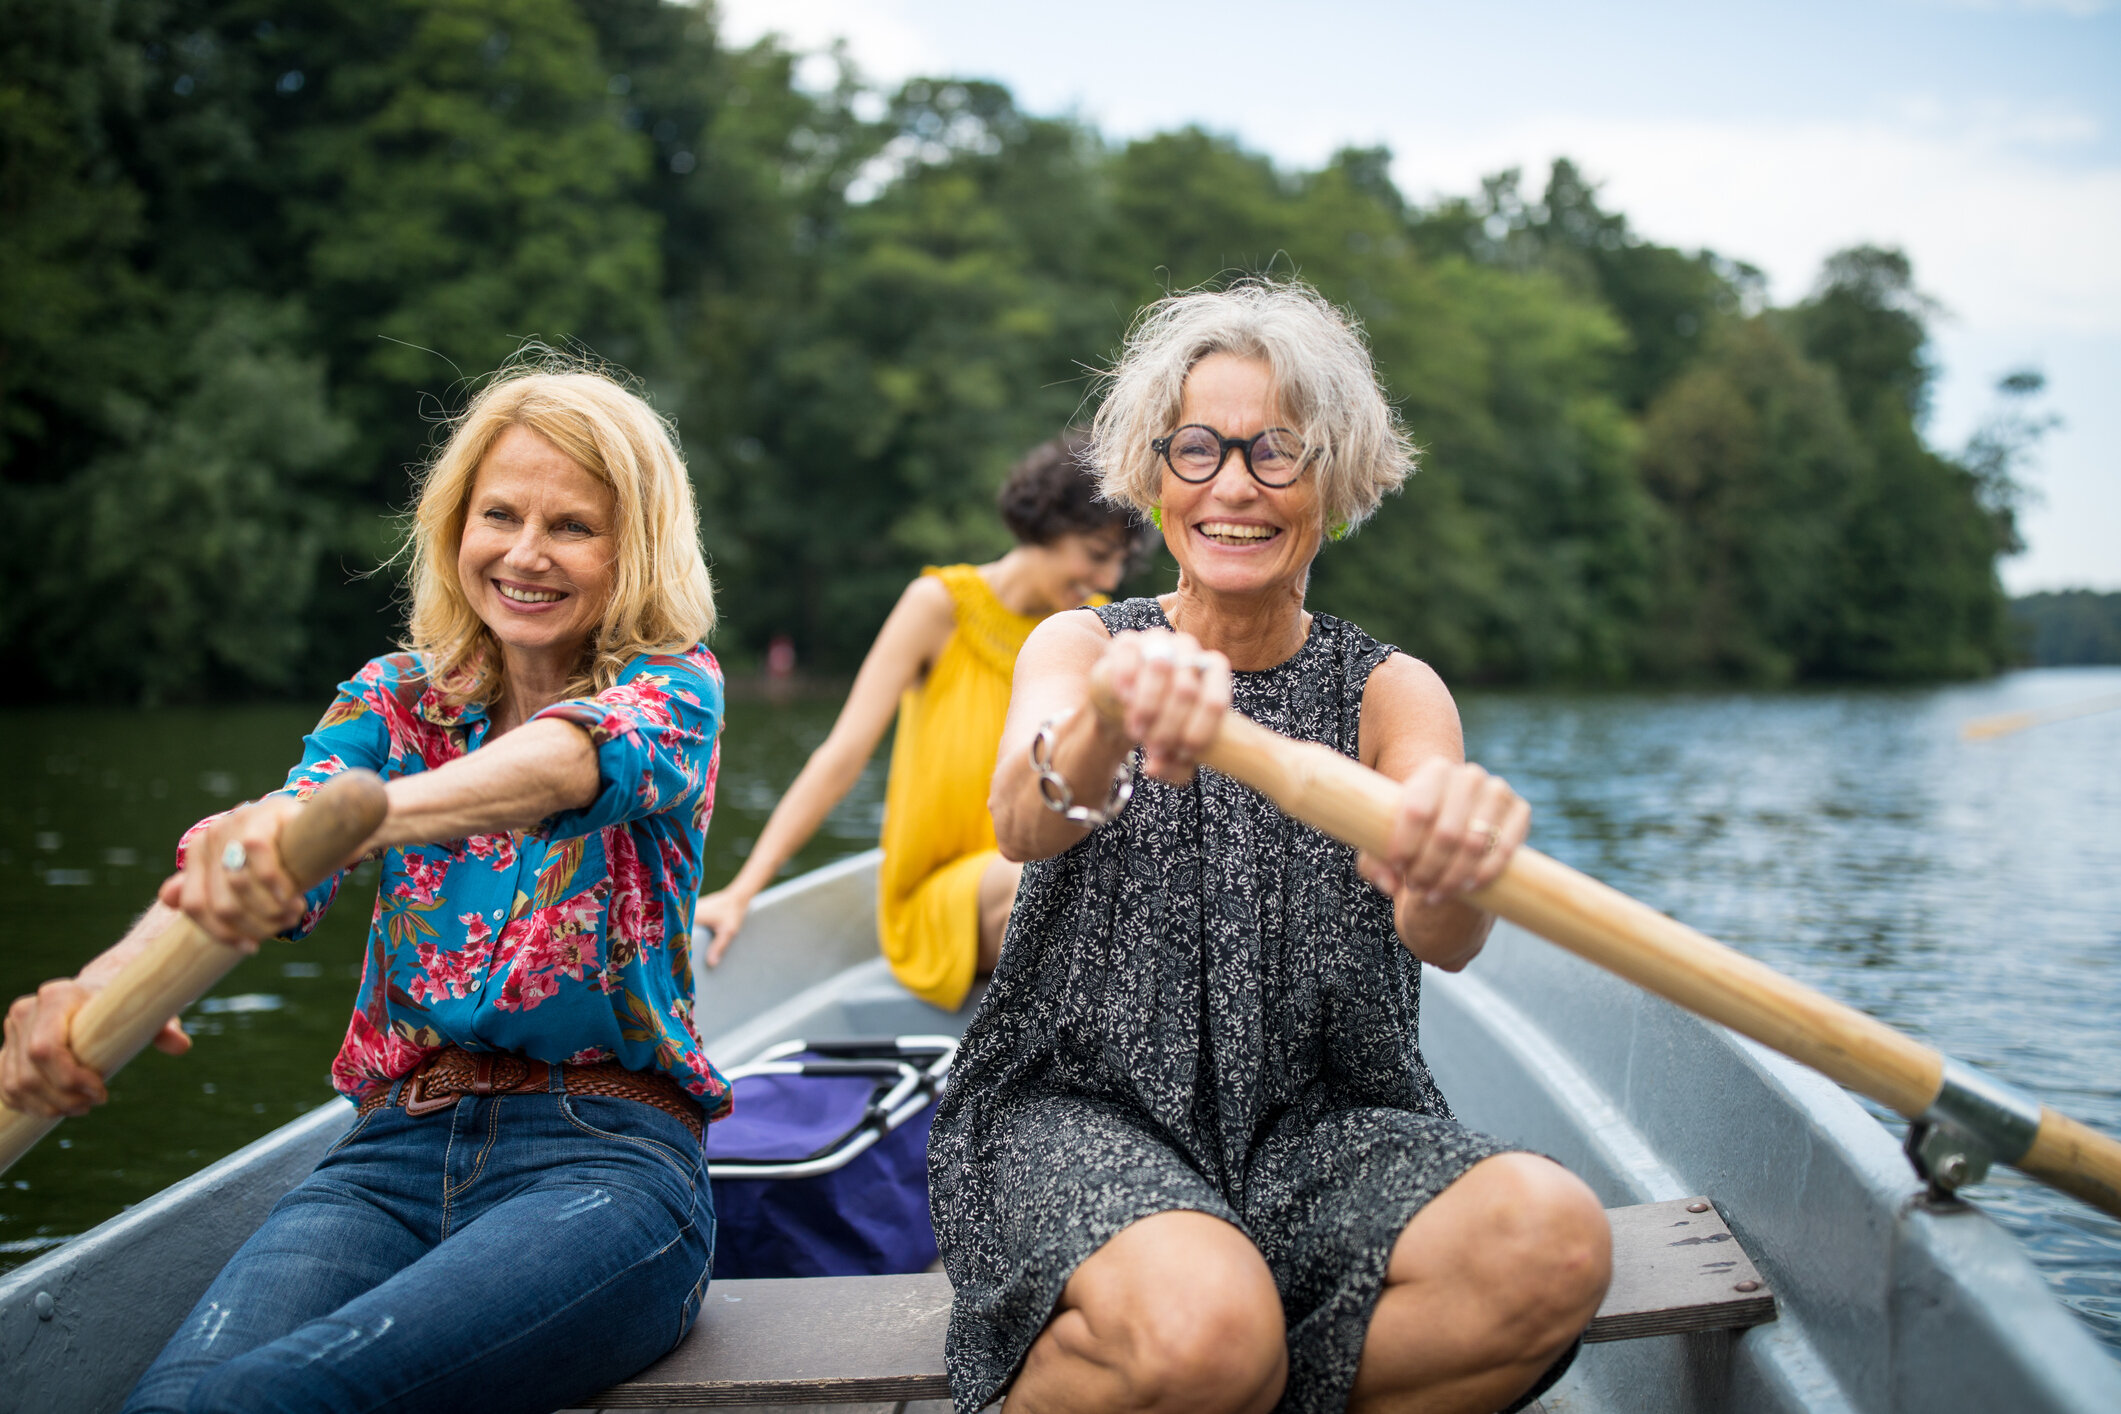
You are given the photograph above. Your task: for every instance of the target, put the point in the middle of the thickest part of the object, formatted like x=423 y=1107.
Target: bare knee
x=1176 y=1315
x=1213 y=1350
x=1548 y=1250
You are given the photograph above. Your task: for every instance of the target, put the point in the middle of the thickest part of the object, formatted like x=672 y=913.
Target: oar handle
x=1356 y=805
x=182 y=963
x=2070 y=1155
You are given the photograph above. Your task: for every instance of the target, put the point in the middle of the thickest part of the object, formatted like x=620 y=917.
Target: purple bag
x=822 y=1168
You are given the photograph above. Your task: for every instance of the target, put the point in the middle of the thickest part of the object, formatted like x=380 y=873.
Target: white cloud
x=2004 y=240
x=884 y=43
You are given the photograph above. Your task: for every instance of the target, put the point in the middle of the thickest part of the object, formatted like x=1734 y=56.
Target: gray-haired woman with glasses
x=1191 y=1157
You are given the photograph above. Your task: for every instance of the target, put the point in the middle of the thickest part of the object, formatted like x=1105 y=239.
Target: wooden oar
x=2004 y=723
x=183 y=963
x=1356 y=805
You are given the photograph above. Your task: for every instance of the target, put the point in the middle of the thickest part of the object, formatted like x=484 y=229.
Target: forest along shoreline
x=291 y=240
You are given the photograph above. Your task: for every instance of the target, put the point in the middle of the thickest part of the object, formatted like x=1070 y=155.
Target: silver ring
x=1159 y=650
x=235 y=857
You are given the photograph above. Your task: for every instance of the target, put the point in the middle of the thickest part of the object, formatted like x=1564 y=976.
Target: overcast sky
x=1983 y=138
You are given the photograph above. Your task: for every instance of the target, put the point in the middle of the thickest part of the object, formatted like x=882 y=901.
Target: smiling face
x=538 y=555
x=1077 y=566
x=1230 y=534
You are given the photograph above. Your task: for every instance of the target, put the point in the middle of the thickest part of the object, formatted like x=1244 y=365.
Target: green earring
x=1339 y=532
x=1156 y=516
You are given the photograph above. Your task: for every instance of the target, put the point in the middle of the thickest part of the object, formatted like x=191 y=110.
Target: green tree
x=1868 y=322
x=388 y=180
x=1668 y=301
x=2001 y=446
x=249 y=254
x=1917 y=593
x=1752 y=457
x=932 y=355
x=69 y=295
x=460 y=188
x=1189 y=208
x=1517 y=551
x=69 y=219
x=189 y=553
x=2069 y=627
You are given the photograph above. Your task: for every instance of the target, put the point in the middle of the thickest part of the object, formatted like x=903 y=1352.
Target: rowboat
x=1884 y=1300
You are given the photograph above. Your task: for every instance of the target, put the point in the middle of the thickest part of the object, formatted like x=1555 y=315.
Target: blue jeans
x=510 y=1252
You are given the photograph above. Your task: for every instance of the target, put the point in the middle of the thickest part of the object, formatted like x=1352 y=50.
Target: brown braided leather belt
x=450 y=1074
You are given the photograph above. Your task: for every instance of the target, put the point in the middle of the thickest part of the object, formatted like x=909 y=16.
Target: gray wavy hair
x=1324 y=381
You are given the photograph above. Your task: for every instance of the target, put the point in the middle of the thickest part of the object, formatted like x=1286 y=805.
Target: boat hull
x=1888 y=1305
x=1887 y=1301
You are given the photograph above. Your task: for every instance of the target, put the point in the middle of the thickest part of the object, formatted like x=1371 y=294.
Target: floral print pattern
x=568 y=942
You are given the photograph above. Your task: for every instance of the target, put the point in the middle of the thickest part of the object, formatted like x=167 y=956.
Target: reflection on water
x=1968 y=893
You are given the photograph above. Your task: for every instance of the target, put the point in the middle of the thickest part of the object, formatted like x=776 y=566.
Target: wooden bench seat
x=865 y=1340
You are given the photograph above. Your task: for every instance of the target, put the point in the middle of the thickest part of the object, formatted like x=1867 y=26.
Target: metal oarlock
x=1974 y=1122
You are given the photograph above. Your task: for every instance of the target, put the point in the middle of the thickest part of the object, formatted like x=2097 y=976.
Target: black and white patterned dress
x=1200 y=1006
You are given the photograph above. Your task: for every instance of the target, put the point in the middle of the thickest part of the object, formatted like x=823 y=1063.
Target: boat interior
x=1867 y=1296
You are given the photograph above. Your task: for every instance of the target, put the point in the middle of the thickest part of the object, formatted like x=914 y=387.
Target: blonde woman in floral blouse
x=520 y=1214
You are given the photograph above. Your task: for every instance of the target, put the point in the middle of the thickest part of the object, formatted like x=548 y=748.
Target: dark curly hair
x=1053 y=492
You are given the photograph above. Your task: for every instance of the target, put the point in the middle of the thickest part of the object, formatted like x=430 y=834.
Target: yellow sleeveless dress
x=938 y=838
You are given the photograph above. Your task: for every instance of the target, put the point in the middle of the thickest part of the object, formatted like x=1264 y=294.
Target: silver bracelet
x=1053 y=786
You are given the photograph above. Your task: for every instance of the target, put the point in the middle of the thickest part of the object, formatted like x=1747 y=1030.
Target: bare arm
x=1052 y=680
x=1410 y=732
x=512 y=783
x=915 y=633
x=39 y=1073
x=1172 y=698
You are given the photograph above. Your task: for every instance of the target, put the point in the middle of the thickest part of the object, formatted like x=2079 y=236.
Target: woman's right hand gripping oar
x=39 y=1072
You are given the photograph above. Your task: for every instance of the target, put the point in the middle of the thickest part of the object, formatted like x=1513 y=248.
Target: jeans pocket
x=649 y=1127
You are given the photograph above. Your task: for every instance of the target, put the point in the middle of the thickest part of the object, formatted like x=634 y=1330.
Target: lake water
x=1969 y=893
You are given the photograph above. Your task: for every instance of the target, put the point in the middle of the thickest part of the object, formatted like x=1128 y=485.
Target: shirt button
x=497 y=913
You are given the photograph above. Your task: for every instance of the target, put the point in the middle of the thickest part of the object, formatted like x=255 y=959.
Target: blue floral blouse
x=568 y=942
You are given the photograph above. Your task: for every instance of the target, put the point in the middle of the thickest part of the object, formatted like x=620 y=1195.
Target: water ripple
x=1967 y=893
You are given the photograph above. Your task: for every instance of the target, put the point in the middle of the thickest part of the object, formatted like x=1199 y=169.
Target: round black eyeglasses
x=1196 y=452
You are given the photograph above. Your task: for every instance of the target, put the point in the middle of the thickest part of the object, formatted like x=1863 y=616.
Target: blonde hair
x=661 y=598
x=1324 y=381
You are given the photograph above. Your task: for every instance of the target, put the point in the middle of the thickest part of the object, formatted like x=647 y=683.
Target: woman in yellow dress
x=943 y=662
